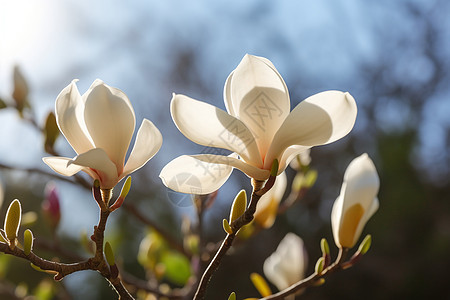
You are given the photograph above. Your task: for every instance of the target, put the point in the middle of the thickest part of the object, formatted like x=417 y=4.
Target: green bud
x=274 y=168
x=319 y=282
x=232 y=296
x=12 y=220
x=310 y=178
x=109 y=254
x=227 y=227
x=27 y=241
x=51 y=132
x=365 y=244
x=319 y=265
x=324 y=246
x=260 y=284
x=239 y=206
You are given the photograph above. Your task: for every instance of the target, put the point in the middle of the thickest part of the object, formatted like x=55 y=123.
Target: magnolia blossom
x=267 y=208
x=356 y=203
x=257 y=128
x=99 y=126
x=287 y=265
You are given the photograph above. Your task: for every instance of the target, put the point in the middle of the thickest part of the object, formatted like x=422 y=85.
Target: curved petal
x=227 y=95
x=187 y=174
x=60 y=165
x=289 y=154
x=210 y=126
x=110 y=120
x=249 y=170
x=320 y=119
x=69 y=110
x=365 y=218
x=259 y=98
x=147 y=144
x=97 y=160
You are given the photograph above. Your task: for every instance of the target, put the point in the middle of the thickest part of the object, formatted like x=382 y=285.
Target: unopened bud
x=50 y=206
x=324 y=246
x=260 y=284
x=319 y=282
x=12 y=221
x=20 y=93
x=27 y=241
x=239 y=206
x=232 y=296
x=109 y=254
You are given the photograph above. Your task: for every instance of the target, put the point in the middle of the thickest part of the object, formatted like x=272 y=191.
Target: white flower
x=356 y=203
x=257 y=127
x=287 y=265
x=99 y=126
x=267 y=208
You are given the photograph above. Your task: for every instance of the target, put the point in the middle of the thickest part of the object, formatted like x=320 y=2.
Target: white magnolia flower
x=99 y=126
x=267 y=208
x=356 y=203
x=258 y=127
x=287 y=265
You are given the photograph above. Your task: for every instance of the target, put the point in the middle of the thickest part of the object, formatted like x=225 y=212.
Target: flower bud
x=356 y=203
x=12 y=221
x=232 y=296
x=20 y=92
x=260 y=284
x=27 y=241
x=239 y=206
x=109 y=254
x=50 y=206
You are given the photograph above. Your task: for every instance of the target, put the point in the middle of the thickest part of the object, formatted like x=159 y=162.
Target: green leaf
x=365 y=244
x=27 y=241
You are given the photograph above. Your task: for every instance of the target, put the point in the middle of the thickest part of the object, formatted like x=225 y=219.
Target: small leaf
x=260 y=284
x=239 y=206
x=319 y=265
x=365 y=244
x=274 y=168
x=27 y=241
x=109 y=254
x=227 y=227
x=12 y=220
x=232 y=296
x=310 y=178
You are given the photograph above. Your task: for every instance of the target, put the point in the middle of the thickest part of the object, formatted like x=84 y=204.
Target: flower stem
x=243 y=220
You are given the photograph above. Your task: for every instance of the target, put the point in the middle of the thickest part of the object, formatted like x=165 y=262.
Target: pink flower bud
x=50 y=205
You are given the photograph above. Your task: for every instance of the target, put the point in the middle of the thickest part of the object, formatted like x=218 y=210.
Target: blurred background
x=392 y=56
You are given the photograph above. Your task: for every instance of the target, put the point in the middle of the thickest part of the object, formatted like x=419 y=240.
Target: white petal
x=289 y=154
x=69 y=110
x=210 y=126
x=186 y=174
x=320 y=119
x=259 y=97
x=110 y=120
x=99 y=162
x=59 y=165
x=362 y=182
x=147 y=144
x=365 y=218
x=249 y=170
x=275 y=193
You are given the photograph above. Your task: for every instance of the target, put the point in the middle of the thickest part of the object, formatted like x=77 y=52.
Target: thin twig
x=243 y=220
